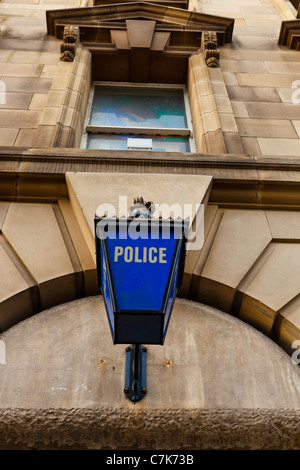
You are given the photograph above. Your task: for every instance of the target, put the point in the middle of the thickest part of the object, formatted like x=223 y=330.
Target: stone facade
x=240 y=62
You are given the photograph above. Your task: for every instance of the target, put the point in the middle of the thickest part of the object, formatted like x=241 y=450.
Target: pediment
x=168 y=3
x=95 y=23
x=139 y=41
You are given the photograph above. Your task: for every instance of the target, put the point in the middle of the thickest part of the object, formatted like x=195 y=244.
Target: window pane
x=136 y=107
x=119 y=142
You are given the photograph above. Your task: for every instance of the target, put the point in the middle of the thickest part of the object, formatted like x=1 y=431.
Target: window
x=132 y=117
x=295 y=3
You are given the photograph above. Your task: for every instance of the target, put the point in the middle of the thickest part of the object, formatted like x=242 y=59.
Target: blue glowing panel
x=173 y=290
x=135 y=107
x=140 y=271
x=106 y=289
x=140 y=263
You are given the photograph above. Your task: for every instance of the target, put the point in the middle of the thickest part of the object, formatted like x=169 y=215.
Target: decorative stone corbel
x=70 y=40
x=210 y=48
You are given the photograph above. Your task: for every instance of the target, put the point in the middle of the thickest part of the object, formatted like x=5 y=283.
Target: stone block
x=223 y=104
x=8 y=136
x=211 y=121
x=60 y=82
x=3 y=211
x=207 y=103
x=239 y=109
x=194 y=265
x=244 y=66
x=250 y=145
x=286 y=94
x=50 y=116
x=16 y=101
x=44 y=136
x=33 y=232
x=238 y=53
x=284 y=225
x=34 y=57
x=256 y=42
x=247 y=93
x=26 y=84
x=228 y=122
x=5 y=56
x=273 y=284
x=48 y=71
x=25 y=119
x=296 y=125
x=272 y=110
x=230 y=79
x=25 y=138
x=257 y=32
x=228 y=261
x=13 y=286
x=214 y=141
x=219 y=89
x=266 y=80
x=20 y=70
x=279 y=147
x=283 y=67
x=86 y=259
x=266 y=128
x=38 y=101
x=55 y=98
x=233 y=143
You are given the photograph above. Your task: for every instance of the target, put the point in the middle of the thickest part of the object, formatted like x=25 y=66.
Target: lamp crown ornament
x=141 y=209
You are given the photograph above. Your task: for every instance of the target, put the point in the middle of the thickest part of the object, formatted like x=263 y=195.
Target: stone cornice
x=238 y=181
x=76 y=155
x=98 y=16
x=169 y=3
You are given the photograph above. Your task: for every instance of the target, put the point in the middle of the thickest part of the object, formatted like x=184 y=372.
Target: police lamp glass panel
x=139 y=278
x=124 y=117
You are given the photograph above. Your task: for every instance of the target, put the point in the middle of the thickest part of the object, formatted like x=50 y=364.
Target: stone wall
x=216 y=383
x=248 y=265
x=254 y=85
x=245 y=107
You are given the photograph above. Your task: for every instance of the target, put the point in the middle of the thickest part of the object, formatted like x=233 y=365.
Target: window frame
x=139 y=131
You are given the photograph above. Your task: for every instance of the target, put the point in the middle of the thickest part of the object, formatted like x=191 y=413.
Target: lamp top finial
x=140 y=208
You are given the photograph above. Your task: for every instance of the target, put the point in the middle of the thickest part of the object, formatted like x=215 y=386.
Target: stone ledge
x=111 y=428
x=29 y=174
x=71 y=156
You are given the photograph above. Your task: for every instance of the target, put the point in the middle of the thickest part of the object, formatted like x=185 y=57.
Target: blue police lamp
x=140 y=265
